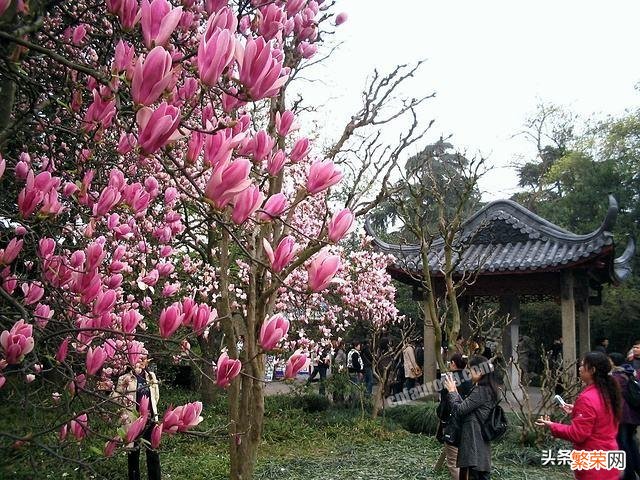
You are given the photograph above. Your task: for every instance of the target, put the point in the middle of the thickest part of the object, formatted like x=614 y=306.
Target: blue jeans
x=368 y=379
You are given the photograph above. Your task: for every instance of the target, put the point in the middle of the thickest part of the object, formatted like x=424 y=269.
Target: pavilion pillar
x=568 y=307
x=510 y=305
x=581 y=291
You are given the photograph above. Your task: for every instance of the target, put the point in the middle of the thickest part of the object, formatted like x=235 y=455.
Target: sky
x=490 y=62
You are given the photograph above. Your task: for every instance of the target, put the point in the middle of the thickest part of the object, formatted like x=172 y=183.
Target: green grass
x=297 y=445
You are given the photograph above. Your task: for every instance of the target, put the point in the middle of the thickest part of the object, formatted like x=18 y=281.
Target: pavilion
x=514 y=254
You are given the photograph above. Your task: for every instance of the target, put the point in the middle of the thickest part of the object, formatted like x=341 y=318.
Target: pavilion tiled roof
x=504 y=236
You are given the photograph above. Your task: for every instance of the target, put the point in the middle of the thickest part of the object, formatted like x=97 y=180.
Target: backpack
x=632 y=393
x=495 y=425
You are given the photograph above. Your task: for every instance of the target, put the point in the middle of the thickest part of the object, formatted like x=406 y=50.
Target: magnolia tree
x=155 y=194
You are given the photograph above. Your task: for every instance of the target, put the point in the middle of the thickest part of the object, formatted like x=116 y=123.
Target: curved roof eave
x=622 y=266
x=545 y=226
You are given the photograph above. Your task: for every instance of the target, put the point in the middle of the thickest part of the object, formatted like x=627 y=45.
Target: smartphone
x=559 y=400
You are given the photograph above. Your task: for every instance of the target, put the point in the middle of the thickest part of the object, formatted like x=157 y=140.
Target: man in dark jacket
x=367 y=366
x=630 y=419
x=457 y=364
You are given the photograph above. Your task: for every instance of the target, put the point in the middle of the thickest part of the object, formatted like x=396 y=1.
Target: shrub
x=416 y=418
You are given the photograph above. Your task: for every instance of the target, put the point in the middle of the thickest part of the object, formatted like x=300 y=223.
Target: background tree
x=436 y=193
x=571 y=192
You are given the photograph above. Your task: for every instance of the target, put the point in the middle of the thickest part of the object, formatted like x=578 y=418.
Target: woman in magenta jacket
x=595 y=415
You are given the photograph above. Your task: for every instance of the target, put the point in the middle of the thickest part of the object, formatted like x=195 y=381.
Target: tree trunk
x=378 y=397
x=208 y=389
x=246 y=425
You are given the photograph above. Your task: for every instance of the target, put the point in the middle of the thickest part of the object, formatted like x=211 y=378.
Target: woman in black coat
x=474 y=452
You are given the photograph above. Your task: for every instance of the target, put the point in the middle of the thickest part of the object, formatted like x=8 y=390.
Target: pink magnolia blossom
x=46 y=247
x=129 y=320
x=17 y=342
x=170 y=196
x=294 y=6
x=4 y=6
x=196 y=141
x=78 y=34
x=101 y=111
x=109 y=197
x=226 y=370
x=123 y=56
x=135 y=428
x=43 y=314
x=273 y=330
x=143 y=407
x=273 y=207
x=218 y=148
x=158 y=127
x=170 y=320
x=151 y=76
x=156 y=434
x=341 y=18
x=22 y=169
x=94 y=255
x=340 y=225
x=95 y=359
x=104 y=302
x=261 y=70
x=126 y=10
x=322 y=269
x=63 y=349
x=190 y=416
x=246 y=203
x=3 y=162
x=110 y=447
x=79 y=426
x=215 y=53
x=170 y=289
x=181 y=418
x=322 y=175
x=203 y=317
x=11 y=251
x=300 y=150
x=29 y=197
x=271 y=21
x=30 y=377
x=307 y=50
x=158 y=21
x=227 y=181
x=189 y=309
x=284 y=122
x=33 y=292
x=62 y=433
x=3 y=380
x=275 y=163
x=171 y=420
x=260 y=146
x=294 y=364
x=225 y=18
x=283 y=254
